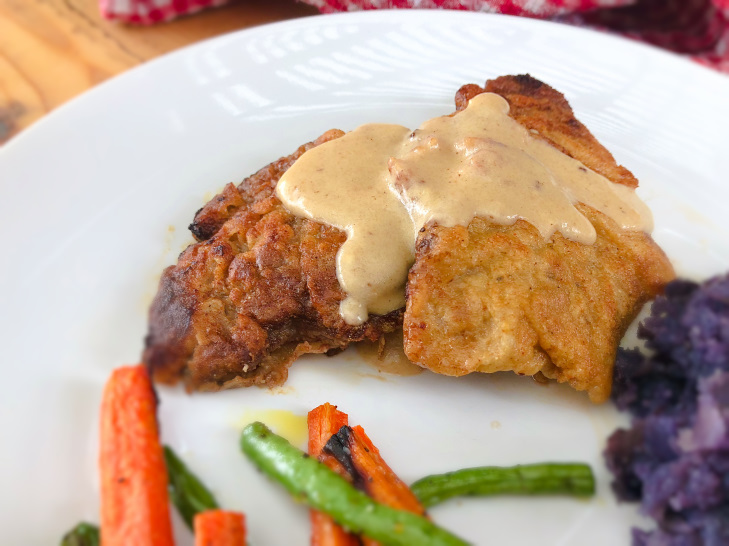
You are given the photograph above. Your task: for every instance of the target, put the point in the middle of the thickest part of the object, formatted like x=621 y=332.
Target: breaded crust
x=259 y=288
x=256 y=292
x=489 y=297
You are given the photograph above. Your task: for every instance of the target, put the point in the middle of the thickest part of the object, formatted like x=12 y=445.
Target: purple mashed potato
x=675 y=457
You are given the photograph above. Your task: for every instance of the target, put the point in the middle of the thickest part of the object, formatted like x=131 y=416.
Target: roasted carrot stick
x=351 y=446
x=220 y=528
x=134 y=502
x=323 y=422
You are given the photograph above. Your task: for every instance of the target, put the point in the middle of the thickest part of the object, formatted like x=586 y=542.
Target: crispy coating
x=259 y=288
x=489 y=297
x=256 y=292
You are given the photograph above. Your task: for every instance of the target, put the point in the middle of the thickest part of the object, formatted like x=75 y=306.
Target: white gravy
x=381 y=184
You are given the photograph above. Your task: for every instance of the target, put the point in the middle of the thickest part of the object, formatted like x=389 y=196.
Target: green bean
x=84 y=534
x=187 y=492
x=314 y=484
x=533 y=479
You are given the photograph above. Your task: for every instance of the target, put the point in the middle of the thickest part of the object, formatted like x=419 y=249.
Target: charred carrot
x=323 y=422
x=353 y=448
x=134 y=501
x=220 y=528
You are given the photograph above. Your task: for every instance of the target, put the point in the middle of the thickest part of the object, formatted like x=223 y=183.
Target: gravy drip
x=381 y=184
x=345 y=183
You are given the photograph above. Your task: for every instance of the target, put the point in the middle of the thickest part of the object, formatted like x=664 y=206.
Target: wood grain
x=53 y=50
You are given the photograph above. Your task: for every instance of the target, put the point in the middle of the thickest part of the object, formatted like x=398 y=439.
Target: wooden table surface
x=52 y=50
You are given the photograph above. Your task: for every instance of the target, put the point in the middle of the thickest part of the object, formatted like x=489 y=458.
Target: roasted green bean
x=84 y=534
x=534 y=479
x=187 y=492
x=322 y=489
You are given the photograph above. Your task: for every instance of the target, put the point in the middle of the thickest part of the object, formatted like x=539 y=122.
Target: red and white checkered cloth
x=530 y=8
x=147 y=12
x=699 y=28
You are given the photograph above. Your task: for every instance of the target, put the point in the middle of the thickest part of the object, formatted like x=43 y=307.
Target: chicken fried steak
x=260 y=286
x=490 y=297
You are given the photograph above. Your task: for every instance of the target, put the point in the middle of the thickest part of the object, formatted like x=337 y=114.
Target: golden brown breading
x=489 y=297
x=259 y=290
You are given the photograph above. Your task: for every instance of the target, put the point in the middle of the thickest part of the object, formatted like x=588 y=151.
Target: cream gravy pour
x=381 y=184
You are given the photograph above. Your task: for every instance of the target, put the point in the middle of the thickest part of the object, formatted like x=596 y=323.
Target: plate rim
x=56 y=115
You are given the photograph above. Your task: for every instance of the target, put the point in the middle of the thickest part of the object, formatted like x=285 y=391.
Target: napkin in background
x=148 y=12
x=699 y=28
x=696 y=27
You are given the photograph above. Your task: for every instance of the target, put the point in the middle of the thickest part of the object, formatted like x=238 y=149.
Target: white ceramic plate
x=95 y=200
